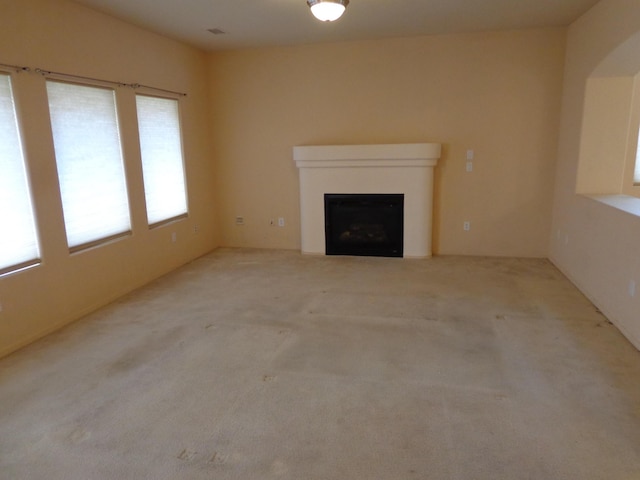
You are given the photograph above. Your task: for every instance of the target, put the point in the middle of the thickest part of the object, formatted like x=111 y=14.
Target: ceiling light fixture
x=327 y=10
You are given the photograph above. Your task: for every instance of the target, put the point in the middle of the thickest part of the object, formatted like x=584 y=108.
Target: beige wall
x=496 y=93
x=63 y=36
x=594 y=243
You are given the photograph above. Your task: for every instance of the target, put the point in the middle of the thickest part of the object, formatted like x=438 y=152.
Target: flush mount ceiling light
x=327 y=10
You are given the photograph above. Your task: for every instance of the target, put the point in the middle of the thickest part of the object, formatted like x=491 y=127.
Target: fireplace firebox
x=364 y=224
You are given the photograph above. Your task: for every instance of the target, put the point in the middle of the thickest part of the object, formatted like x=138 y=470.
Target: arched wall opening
x=610 y=125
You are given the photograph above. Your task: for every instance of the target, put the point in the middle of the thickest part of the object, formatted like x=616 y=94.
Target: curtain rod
x=109 y=82
x=70 y=76
x=137 y=85
x=48 y=73
x=17 y=68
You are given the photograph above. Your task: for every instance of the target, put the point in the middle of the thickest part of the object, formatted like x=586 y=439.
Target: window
x=89 y=161
x=18 y=242
x=162 y=163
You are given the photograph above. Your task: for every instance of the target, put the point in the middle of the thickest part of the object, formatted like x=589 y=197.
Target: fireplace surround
x=405 y=169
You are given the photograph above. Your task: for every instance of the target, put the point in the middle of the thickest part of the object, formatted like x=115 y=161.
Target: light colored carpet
x=251 y=364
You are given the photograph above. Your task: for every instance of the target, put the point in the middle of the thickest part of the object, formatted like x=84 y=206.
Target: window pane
x=162 y=165
x=89 y=161
x=18 y=242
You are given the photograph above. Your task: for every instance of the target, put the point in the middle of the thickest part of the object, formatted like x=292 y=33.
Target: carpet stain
x=278 y=467
x=217 y=458
x=79 y=435
x=187 y=455
x=146 y=351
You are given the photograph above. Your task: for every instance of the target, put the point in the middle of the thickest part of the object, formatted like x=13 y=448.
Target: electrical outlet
x=632 y=288
x=174 y=237
x=281 y=221
x=196 y=228
x=469 y=166
x=239 y=220
x=466 y=226
x=470 y=154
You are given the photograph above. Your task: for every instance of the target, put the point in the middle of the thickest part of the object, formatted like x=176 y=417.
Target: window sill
x=625 y=203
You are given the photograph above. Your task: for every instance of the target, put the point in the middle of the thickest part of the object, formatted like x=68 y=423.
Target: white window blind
x=19 y=241
x=162 y=162
x=89 y=161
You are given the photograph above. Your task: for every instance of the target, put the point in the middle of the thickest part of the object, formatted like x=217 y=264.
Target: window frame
x=177 y=99
x=98 y=242
x=26 y=167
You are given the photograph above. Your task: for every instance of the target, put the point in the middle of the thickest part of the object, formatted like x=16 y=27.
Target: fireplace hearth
x=364 y=224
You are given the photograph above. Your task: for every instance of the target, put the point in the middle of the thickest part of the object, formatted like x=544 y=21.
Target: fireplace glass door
x=364 y=224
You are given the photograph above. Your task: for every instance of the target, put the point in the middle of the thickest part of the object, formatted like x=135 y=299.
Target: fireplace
x=405 y=169
x=364 y=224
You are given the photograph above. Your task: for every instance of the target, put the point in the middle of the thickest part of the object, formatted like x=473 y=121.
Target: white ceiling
x=255 y=23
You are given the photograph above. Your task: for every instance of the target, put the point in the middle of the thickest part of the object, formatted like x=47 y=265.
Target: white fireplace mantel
x=391 y=168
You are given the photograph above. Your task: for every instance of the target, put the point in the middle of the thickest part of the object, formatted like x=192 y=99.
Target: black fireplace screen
x=364 y=224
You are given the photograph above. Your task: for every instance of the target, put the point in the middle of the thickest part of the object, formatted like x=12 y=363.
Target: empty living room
x=319 y=239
